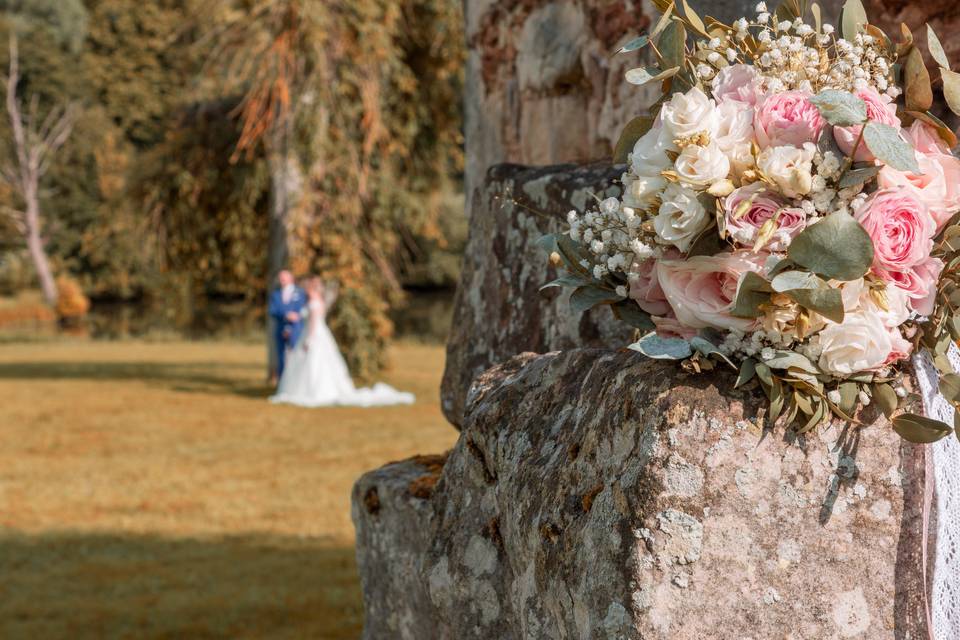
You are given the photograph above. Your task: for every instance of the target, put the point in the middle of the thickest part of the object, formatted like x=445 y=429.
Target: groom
x=286 y=309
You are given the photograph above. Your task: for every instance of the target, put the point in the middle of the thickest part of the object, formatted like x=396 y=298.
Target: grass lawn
x=148 y=490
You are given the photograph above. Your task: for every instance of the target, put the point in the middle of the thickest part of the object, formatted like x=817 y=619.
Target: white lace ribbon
x=944 y=600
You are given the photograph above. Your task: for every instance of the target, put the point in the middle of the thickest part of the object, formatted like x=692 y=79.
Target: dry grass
x=150 y=491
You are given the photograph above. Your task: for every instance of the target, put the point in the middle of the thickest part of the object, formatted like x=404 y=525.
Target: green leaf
x=780 y=266
x=920 y=429
x=840 y=108
x=567 y=280
x=827 y=301
x=752 y=291
x=694 y=19
x=663 y=21
x=886 y=143
x=572 y=253
x=918 y=94
x=653 y=346
x=854 y=15
x=633 y=131
x=859 y=176
x=950 y=387
x=628 y=311
x=795 y=280
x=637 y=43
x=708 y=243
x=837 y=247
x=848 y=397
x=791 y=359
x=548 y=242
x=643 y=75
x=936 y=49
x=951 y=89
x=587 y=297
x=748 y=369
x=886 y=398
x=817 y=417
x=672 y=45
x=707 y=348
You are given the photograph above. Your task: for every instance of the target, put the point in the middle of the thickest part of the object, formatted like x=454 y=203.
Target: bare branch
x=13 y=107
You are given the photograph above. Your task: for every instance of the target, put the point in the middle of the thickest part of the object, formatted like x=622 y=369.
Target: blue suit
x=287 y=333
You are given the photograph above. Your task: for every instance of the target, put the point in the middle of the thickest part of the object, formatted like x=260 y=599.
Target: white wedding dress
x=316 y=375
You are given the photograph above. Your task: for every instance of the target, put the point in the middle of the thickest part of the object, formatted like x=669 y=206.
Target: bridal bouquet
x=789 y=208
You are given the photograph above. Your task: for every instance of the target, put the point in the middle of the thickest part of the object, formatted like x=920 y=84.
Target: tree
x=35 y=143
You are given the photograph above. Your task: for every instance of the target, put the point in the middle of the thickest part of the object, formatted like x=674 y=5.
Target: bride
x=316 y=374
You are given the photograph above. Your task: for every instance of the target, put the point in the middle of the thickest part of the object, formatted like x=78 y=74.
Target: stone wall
x=597 y=494
x=499 y=310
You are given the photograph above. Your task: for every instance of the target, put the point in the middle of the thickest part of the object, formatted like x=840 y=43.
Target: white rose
x=702 y=166
x=860 y=343
x=688 y=113
x=639 y=192
x=681 y=217
x=649 y=155
x=857 y=298
x=789 y=168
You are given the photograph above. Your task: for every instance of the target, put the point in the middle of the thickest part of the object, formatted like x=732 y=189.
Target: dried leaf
x=951 y=89
x=920 y=429
x=936 y=49
x=946 y=133
x=694 y=19
x=916 y=81
x=854 y=16
x=886 y=398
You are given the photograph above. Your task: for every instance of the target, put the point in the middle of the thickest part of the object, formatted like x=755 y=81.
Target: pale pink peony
x=900 y=227
x=743 y=230
x=938 y=183
x=880 y=108
x=737 y=83
x=701 y=290
x=787 y=118
x=919 y=283
x=645 y=287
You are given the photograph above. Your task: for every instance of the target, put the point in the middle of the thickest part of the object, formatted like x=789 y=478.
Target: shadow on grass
x=78 y=586
x=212 y=377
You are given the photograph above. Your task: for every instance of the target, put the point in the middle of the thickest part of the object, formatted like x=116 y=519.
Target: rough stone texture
x=392 y=515
x=499 y=310
x=597 y=494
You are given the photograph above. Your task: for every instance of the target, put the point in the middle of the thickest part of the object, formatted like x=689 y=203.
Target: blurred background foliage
x=166 y=190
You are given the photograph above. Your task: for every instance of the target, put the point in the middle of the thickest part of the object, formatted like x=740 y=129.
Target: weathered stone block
x=597 y=494
x=499 y=310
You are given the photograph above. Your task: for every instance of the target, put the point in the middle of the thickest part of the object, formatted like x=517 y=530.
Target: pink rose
x=787 y=119
x=938 y=183
x=669 y=327
x=880 y=108
x=925 y=138
x=901 y=228
x=920 y=284
x=738 y=83
x=701 y=290
x=764 y=205
x=645 y=288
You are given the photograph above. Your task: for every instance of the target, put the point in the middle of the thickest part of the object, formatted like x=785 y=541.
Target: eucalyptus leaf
x=848 y=397
x=752 y=292
x=748 y=369
x=951 y=89
x=950 y=387
x=790 y=10
x=548 y=242
x=633 y=131
x=791 y=359
x=628 y=311
x=707 y=348
x=663 y=21
x=672 y=45
x=886 y=398
x=636 y=43
x=568 y=280
x=854 y=15
x=587 y=297
x=920 y=429
x=859 y=176
x=840 y=108
x=653 y=346
x=572 y=253
x=886 y=143
x=819 y=413
x=936 y=49
x=918 y=94
x=817 y=18
x=946 y=133
x=764 y=373
x=795 y=280
x=827 y=301
x=695 y=21
x=837 y=248
x=708 y=243
x=643 y=75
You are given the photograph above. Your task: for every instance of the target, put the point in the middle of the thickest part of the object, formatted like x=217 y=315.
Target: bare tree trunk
x=37 y=252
